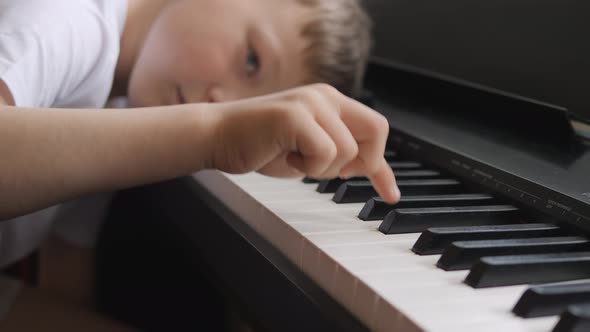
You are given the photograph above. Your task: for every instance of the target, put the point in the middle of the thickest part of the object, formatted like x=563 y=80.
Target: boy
x=188 y=68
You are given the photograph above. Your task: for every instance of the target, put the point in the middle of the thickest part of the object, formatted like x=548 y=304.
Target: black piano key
x=461 y=255
x=354 y=192
x=361 y=191
x=429 y=187
x=390 y=155
x=575 y=319
x=309 y=180
x=528 y=269
x=399 y=165
x=434 y=240
x=331 y=185
x=420 y=219
x=551 y=299
x=376 y=208
x=416 y=174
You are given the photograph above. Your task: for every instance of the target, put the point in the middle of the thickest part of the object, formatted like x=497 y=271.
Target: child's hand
x=313 y=130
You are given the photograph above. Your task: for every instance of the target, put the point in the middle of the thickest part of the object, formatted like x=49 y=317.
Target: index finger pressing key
x=370 y=131
x=384 y=183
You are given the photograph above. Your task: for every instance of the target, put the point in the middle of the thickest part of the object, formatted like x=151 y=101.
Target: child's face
x=219 y=50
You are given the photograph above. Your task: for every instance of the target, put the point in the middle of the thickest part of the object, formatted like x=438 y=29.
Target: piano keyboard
x=371 y=264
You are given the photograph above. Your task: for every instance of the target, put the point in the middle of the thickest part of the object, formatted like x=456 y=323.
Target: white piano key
x=374 y=276
x=370 y=249
x=313 y=204
x=364 y=236
x=297 y=214
x=386 y=264
x=329 y=226
x=284 y=196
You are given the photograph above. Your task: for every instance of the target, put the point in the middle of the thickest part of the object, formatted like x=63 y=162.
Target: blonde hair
x=339 y=42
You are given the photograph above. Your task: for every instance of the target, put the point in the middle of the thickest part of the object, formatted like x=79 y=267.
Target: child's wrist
x=208 y=131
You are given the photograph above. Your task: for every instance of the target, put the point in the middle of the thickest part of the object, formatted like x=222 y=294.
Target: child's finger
x=346 y=146
x=383 y=179
x=281 y=167
x=384 y=183
x=316 y=149
x=370 y=129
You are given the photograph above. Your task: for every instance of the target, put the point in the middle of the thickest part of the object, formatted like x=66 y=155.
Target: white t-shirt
x=62 y=54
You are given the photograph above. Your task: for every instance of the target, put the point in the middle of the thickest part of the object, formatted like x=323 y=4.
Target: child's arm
x=49 y=156
x=52 y=155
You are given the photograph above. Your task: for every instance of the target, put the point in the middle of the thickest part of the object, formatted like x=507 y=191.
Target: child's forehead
x=292 y=8
x=286 y=18
x=282 y=31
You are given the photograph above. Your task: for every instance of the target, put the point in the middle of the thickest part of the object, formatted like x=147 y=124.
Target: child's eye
x=252 y=62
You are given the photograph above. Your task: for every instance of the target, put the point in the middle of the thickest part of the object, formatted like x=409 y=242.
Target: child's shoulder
x=60 y=53
x=40 y=15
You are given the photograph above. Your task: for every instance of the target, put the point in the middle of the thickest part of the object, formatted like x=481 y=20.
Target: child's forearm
x=48 y=156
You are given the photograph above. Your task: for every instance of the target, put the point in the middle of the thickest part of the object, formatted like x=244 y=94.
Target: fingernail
x=396 y=192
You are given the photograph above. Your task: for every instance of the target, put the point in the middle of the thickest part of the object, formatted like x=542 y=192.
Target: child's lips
x=179 y=96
